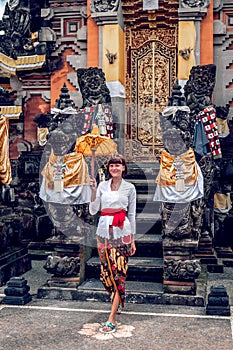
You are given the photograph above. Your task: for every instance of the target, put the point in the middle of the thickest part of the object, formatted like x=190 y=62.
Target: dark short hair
x=117 y=159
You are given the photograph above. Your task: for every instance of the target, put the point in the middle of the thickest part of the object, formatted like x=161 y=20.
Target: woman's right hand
x=93 y=184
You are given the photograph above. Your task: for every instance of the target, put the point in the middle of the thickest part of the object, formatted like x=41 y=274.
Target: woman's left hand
x=132 y=249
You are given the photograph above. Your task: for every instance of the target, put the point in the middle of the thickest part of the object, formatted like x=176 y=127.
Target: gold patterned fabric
x=5 y=166
x=167 y=173
x=113 y=256
x=76 y=171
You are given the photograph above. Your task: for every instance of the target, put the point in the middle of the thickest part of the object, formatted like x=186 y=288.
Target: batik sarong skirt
x=113 y=266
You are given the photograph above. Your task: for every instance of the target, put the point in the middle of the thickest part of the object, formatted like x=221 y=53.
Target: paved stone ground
x=46 y=324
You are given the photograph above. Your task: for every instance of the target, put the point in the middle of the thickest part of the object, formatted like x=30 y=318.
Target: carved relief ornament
x=104 y=5
x=195 y=3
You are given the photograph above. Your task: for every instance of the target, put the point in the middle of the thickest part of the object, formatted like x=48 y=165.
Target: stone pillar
x=189 y=45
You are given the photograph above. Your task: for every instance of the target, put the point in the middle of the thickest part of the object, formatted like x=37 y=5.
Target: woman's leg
x=114 y=264
x=115 y=304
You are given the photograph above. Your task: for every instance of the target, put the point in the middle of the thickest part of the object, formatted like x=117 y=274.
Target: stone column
x=189 y=46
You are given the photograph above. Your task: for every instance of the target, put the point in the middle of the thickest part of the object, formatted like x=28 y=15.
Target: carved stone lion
x=66 y=266
x=181 y=269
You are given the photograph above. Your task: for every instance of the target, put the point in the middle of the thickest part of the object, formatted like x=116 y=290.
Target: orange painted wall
x=34 y=106
x=59 y=77
x=206 y=37
x=92 y=40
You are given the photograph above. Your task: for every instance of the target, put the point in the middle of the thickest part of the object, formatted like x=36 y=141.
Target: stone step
x=142 y=170
x=145 y=217
x=227 y=262
x=146 y=197
x=40 y=250
x=138 y=293
x=144 y=186
x=138 y=182
x=146 y=204
x=148 y=223
x=146 y=167
x=149 y=245
x=145 y=269
x=36 y=254
x=224 y=252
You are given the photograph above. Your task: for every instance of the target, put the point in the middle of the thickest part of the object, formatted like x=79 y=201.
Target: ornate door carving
x=151 y=74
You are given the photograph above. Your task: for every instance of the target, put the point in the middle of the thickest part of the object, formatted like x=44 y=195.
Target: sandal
x=108 y=328
x=119 y=309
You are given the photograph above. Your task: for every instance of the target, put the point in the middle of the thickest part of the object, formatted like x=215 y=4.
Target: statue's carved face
x=182 y=120
x=60 y=143
x=93 y=83
x=92 y=86
x=173 y=142
x=203 y=79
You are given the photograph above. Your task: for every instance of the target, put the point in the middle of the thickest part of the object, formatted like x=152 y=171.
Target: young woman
x=116 y=199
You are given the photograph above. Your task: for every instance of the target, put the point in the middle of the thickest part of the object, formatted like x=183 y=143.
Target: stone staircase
x=145 y=273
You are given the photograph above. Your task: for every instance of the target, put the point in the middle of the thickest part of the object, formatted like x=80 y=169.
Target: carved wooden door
x=151 y=72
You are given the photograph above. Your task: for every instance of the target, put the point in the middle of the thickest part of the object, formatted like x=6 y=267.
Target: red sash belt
x=118 y=216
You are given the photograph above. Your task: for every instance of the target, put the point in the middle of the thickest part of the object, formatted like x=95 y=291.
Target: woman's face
x=116 y=170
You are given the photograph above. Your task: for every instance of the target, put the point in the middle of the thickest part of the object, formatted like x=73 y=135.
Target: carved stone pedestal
x=218 y=302
x=17 y=292
x=205 y=251
x=180 y=267
x=14 y=262
x=67 y=265
x=179 y=287
x=64 y=282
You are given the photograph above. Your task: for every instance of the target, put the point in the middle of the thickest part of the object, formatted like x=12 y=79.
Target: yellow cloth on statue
x=222 y=201
x=223 y=127
x=167 y=173
x=76 y=171
x=41 y=135
x=5 y=166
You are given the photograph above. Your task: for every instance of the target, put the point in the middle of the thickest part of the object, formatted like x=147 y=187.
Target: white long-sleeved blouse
x=124 y=198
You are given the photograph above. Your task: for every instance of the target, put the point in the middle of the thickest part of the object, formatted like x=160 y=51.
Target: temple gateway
x=155 y=78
